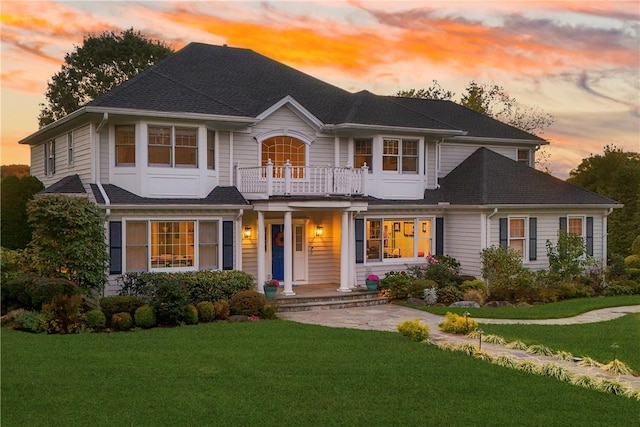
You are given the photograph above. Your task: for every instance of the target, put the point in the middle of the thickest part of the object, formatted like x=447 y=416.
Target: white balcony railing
x=271 y=180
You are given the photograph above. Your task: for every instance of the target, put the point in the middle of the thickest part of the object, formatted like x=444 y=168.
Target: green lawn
x=556 y=310
x=590 y=339
x=280 y=373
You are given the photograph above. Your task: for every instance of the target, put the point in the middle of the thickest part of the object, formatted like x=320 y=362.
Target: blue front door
x=277 y=251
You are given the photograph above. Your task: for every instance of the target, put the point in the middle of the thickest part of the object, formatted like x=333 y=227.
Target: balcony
x=263 y=181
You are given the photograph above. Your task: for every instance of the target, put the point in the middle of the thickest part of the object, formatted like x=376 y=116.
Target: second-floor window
x=363 y=153
x=279 y=149
x=211 y=149
x=70 y=148
x=50 y=158
x=126 y=145
x=172 y=146
x=523 y=157
x=400 y=155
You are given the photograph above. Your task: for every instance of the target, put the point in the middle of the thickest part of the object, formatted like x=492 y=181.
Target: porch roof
x=217 y=196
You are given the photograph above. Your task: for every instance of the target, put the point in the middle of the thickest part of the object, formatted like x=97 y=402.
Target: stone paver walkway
x=387 y=317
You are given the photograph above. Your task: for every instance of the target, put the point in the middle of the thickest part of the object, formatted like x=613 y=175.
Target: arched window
x=282 y=148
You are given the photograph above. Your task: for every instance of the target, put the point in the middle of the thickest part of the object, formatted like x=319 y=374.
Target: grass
x=588 y=339
x=281 y=373
x=556 y=310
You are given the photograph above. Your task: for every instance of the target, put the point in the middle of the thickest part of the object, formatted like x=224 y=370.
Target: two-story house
x=221 y=158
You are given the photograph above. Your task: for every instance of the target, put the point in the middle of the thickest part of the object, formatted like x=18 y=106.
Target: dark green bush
x=206 y=313
x=396 y=284
x=62 y=315
x=170 y=303
x=192 y=315
x=121 y=321
x=145 y=317
x=500 y=264
x=449 y=295
x=632 y=261
x=95 y=320
x=616 y=267
x=635 y=246
x=221 y=309
x=634 y=274
x=30 y=291
x=417 y=287
x=118 y=304
x=249 y=303
x=622 y=287
x=28 y=321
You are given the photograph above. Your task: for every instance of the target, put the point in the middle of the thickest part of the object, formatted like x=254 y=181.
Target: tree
x=16 y=192
x=101 y=63
x=68 y=240
x=492 y=101
x=17 y=170
x=616 y=175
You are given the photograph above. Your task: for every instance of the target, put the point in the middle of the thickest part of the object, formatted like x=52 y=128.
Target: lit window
x=125 y=145
x=517 y=237
x=281 y=149
x=398 y=238
x=363 y=153
x=575 y=225
x=172 y=146
x=400 y=155
x=172 y=244
x=136 y=246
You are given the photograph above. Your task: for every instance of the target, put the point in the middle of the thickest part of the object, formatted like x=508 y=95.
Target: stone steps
x=328 y=302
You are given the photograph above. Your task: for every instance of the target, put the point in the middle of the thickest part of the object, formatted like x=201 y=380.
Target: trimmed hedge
x=31 y=291
x=119 y=304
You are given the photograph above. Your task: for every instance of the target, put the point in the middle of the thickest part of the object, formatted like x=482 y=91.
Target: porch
x=325 y=296
x=260 y=182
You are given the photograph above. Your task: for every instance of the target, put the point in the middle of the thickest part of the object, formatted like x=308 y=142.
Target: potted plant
x=270 y=288
x=372 y=282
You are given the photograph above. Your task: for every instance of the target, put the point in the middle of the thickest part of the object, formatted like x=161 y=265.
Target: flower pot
x=372 y=285
x=270 y=292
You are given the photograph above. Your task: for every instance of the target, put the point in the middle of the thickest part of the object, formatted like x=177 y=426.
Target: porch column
x=344 y=253
x=262 y=276
x=288 y=255
x=353 y=283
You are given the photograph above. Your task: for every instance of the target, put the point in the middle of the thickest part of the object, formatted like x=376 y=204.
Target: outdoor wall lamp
x=319 y=230
x=247 y=233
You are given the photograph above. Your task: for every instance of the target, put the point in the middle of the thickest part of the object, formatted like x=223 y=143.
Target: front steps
x=357 y=298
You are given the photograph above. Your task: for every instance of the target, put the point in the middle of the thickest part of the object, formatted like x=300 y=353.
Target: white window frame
x=115 y=145
x=369 y=164
x=50 y=158
x=196 y=242
x=400 y=156
x=70 y=148
x=172 y=146
x=522 y=150
x=525 y=239
x=583 y=221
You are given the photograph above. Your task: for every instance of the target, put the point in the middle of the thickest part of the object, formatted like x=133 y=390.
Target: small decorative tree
x=567 y=259
x=68 y=240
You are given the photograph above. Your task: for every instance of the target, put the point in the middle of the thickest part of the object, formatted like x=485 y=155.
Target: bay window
x=125 y=145
x=400 y=155
x=172 y=146
x=363 y=153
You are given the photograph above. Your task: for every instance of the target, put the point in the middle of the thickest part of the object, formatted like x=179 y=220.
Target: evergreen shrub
x=206 y=313
x=121 y=321
x=145 y=317
x=248 y=303
x=95 y=320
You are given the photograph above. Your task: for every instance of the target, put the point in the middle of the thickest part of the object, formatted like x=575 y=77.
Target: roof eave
x=495 y=140
x=396 y=129
x=172 y=206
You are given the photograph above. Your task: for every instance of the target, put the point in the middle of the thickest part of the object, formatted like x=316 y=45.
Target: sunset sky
x=577 y=60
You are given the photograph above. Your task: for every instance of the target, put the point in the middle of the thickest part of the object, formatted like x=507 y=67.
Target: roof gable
x=68 y=185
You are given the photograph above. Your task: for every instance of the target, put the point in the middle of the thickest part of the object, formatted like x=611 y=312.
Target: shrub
x=500 y=263
x=414 y=330
x=635 y=246
x=474 y=295
x=417 y=287
x=62 y=315
x=192 y=315
x=269 y=311
x=170 y=303
x=28 y=321
x=475 y=284
x=30 y=291
x=248 y=303
x=457 y=324
x=567 y=258
x=449 y=295
x=222 y=310
x=632 y=261
x=206 y=313
x=121 y=321
x=430 y=296
x=622 y=287
x=397 y=284
x=95 y=320
x=616 y=266
x=118 y=304
x=145 y=317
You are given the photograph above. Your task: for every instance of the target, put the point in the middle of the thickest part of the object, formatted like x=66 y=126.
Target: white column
x=352 y=251
x=344 y=253
x=288 y=255
x=262 y=274
x=239 y=241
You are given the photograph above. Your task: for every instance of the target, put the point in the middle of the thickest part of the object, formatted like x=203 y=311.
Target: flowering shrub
x=373 y=277
x=273 y=283
x=397 y=284
x=457 y=324
x=442 y=269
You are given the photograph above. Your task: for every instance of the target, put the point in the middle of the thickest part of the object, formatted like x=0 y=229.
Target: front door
x=277 y=251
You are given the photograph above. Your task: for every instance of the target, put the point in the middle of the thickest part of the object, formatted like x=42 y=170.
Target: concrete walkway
x=387 y=317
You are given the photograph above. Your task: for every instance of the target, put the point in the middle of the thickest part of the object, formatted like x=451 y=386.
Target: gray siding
x=462 y=240
x=453 y=154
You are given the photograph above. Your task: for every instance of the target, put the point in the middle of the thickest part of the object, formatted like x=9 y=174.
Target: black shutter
x=115 y=247
x=504 y=233
x=439 y=236
x=533 y=239
x=227 y=245
x=589 y=240
x=563 y=223
x=359 y=240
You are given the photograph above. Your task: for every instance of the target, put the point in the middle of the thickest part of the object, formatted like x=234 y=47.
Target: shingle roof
x=67 y=185
x=217 y=196
x=221 y=80
x=488 y=178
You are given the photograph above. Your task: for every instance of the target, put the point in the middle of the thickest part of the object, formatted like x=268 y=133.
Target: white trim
x=525 y=244
x=299 y=108
x=394 y=129
x=583 y=219
x=261 y=137
x=416 y=222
